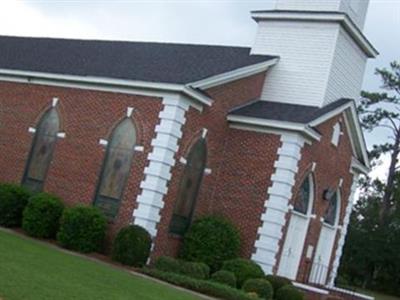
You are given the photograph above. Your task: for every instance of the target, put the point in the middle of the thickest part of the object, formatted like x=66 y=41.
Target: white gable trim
x=155 y=89
x=353 y=127
x=234 y=75
x=341 y=18
x=281 y=125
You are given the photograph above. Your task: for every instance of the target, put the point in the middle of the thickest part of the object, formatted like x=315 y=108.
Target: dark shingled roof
x=142 y=61
x=284 y=111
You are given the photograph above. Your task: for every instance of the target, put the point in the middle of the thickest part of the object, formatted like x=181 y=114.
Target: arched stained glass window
x=42 y=150
x=303 y=198
x=189 y=187
x=331 y=212
x=116 y=168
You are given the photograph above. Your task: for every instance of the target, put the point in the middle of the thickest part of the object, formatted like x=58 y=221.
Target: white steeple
x=322 y=50
x=355 y=9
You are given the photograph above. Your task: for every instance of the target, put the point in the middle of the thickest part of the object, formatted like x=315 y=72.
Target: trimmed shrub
x=82 y=229
x=195 y=269
x=168 y=264
x=210 y=288
x=211 y=240
x=224 y=277
x=191 y=269
x=243 y=269
x=13 y=199
x=278 y=281
x=260 y=286
x=132 y=246
x=42 y=215
x=289 y=292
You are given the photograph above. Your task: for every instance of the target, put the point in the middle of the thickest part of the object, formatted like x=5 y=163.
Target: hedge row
x=210 y=288
x=80 y=228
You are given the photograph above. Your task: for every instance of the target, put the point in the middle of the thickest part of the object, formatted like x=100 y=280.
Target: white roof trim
x=354 y=130
x=358 y=166
x=234 y=75
x=41 y=78
x=342 y=18
x=330 y=114
x=282 y=125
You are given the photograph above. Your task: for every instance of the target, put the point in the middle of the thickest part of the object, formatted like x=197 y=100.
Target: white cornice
x=280 y=125
x=234 y=75
x=358 y=167
x=155 y=89
x=341 y=18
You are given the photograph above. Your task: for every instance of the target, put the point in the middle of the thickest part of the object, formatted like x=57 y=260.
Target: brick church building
x=158 y=134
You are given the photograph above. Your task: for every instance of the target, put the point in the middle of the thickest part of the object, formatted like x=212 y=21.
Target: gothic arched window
x=189 y=187
x=332 y=210
x=42 y=150
x=116 y=168
x=303 y=198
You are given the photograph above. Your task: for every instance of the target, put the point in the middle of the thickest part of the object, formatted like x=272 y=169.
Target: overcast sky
x=224 y=22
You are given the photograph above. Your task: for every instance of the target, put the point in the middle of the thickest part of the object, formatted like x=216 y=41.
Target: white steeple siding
x=355 y=9
x=321 y=48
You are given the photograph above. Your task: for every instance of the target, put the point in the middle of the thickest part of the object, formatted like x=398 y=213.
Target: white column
x=161 y=160
x=279 y=195
x=343 y=232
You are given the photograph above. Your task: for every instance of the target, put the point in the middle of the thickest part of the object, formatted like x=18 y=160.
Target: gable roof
x=139 y=61
x=303 y=119
x=285 y=111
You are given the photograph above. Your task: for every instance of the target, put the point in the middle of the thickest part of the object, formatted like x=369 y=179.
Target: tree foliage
x=382 y=110
x=371 y=257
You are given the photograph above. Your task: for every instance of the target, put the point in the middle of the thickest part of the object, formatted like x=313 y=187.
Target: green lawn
x=32 y=270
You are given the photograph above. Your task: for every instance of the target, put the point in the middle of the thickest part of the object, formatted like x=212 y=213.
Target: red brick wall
x=220 y=140
x=87 y=116
x=332 y=163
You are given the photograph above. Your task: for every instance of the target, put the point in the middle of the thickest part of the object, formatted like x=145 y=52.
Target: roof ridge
x=122 y=41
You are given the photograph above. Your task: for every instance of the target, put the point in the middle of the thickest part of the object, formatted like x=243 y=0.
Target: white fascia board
x=355 y=130
x=280 y=125
x=152 y=88
x=358 y=166
x=330 y=114
x=234 y=75
x=341 y=18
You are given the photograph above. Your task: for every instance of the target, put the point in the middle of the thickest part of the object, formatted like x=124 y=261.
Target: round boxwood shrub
x=190 y=269
x=168 y=264
x=82 y=229
x=289 y=292
x=224 y=277
x=195 y=269
x=13 y=199
x=132 y=246
x=278 y=281
x=211 y=240
x=243 y=269
x=42 y=215
x=260 y=286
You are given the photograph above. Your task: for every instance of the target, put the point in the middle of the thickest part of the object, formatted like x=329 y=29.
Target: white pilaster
x=161 y=159
x=277 y=203
x=343 y=232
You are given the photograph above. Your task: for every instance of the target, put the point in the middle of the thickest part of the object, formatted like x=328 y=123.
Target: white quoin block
x=277 y=204
x=161 y=159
